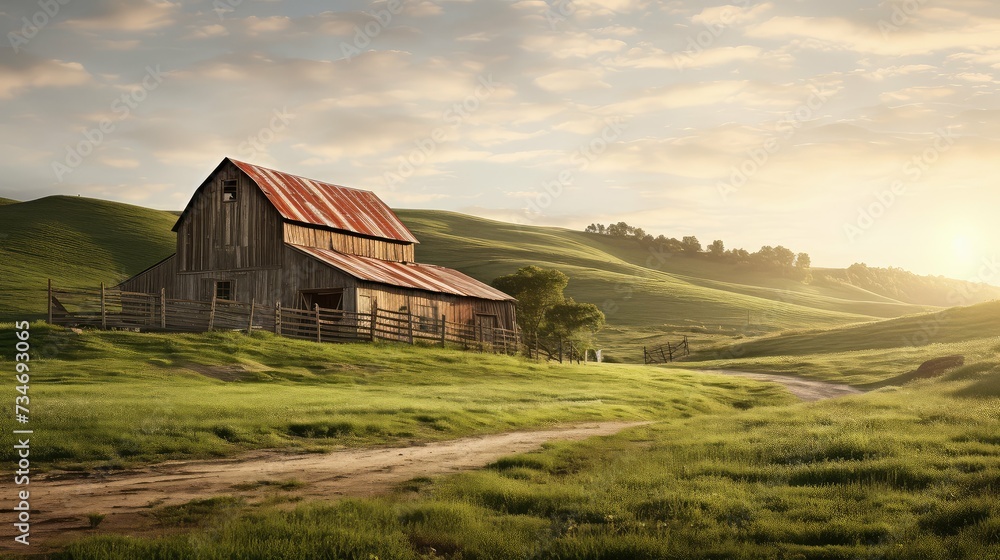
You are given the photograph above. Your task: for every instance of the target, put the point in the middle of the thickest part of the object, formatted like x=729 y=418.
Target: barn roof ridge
x=320 y=204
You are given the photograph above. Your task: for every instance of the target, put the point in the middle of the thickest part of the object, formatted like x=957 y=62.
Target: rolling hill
x=80 y=242
x=77 y=242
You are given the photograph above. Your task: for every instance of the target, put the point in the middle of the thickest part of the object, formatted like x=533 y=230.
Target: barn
x=251 y=233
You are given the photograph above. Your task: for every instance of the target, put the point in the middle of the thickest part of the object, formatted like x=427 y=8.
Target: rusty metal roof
x=317 y=203
x=406 y=275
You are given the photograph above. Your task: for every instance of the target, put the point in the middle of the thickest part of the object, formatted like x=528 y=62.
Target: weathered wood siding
x=302 y=272
x=151 y=281
x=348 y=244
x=242 y=234
x=433 y=305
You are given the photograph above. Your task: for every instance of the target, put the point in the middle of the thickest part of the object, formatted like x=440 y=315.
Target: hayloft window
x=229 y=190
x=224 y=290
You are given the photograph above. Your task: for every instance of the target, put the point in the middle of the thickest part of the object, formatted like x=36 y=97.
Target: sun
x=963 y=248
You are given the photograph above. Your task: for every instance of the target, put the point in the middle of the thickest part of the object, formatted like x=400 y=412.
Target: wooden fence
x=112 y=308
x=665 y=353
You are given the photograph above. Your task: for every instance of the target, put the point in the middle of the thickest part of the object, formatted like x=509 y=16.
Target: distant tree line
x=777 y=260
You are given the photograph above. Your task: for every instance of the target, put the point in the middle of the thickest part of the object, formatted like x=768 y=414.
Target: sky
x=853 y=131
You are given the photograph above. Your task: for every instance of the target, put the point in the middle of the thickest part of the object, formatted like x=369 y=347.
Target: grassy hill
x=6 y=201
x=648 y=298
x=77 y=242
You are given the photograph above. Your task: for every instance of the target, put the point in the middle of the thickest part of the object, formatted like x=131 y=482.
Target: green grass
x=77 y=242
x=902 y=473
x=867 y=355
x=144 y=398
x=7 y=201
x=958 y=324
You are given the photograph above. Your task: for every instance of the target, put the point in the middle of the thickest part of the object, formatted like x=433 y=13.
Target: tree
x=621 y=229
x=784 y=258
x=803 y=261
x=802 y=268
x=571 y=319
x=537 y=290
x=717 y=249
x=691 y=245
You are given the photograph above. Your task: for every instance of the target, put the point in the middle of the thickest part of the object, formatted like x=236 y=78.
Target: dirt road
x=804 y=389
x=63 y=501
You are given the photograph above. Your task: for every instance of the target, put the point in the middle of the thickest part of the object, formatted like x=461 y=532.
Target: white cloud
x=572 y=80
x=15 y=80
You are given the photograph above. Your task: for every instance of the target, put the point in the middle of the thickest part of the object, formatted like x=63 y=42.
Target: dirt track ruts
x=62 y=501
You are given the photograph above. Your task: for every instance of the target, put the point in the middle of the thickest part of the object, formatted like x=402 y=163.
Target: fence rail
x=665 y=353
x=113 y=308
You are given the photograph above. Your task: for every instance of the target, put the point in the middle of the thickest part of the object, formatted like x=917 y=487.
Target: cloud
x=127 y=16
x=928 y=30
x=22 y=74
x=653 y=58
x=570 y=45
x=572 y=80
x=730 y=15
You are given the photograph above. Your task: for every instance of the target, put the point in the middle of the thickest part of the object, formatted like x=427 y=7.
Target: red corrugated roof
x=317 y=203
x=406 y=275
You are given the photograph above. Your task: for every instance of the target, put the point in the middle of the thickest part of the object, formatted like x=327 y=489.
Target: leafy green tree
x=570 y=319
x=717 y=249
x=537 y=290
x=691 y=245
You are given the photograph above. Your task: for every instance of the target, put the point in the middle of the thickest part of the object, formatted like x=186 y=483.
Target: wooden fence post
x=560 y=350
x=374 y=320
x=50 y=301
x=163 y=308
x=645 y=356
x=319 y=325
x=253 y=309
x=409 y=323
x=211 y=315
x=277 y=318
x=444 y=330
x=104 y=309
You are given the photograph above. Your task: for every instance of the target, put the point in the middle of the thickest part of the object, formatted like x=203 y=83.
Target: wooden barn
x=255 y=234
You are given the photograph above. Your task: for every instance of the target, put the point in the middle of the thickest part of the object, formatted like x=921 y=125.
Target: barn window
x=229 y=190
x=224 y=290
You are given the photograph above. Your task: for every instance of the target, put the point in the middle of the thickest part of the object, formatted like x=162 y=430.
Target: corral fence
x=557 y=348
x=110 y=308
x=665 y=353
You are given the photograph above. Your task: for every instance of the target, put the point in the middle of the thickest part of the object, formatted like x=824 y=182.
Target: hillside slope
x=77 y=242
x=80 y=242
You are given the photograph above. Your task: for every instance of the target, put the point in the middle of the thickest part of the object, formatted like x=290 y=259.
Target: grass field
x=144 y=398
x=867 y=355
x=901 y=473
